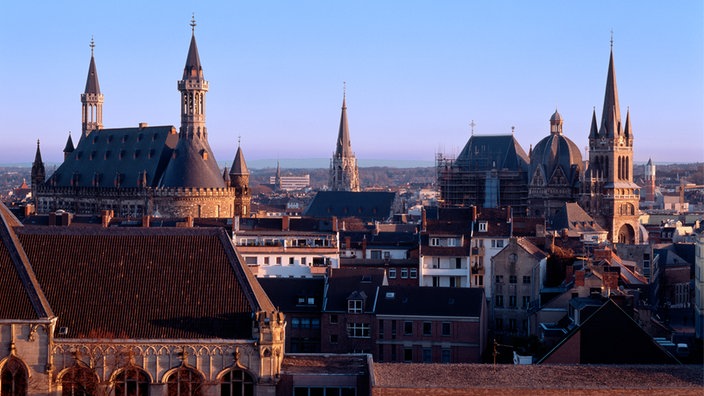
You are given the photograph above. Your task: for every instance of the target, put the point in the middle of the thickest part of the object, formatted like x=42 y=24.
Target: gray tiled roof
x=101 y=156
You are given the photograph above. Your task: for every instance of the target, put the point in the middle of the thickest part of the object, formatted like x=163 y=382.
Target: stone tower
x=91 y=99
x=193 y=164
x=344 y=175
x=38 y=172
x=239 y=179
x=611 y=197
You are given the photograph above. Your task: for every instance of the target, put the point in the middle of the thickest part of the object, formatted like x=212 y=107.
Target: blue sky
x=417 y=72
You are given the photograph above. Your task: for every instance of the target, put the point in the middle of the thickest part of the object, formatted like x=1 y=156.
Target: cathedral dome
x=556 y=151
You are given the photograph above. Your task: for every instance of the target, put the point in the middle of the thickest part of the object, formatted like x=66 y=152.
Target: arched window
x=13 y=378
x=185 y=381
x=131 y=381
x=79 y=380
x=236 y=383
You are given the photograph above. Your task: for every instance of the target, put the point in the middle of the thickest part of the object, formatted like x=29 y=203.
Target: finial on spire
x=239 y=140
x=344 y=89
x=612 y=39
x=92 y=45
x=472 y=125
x=193 y=23
x=37 y=142
x=513 y=129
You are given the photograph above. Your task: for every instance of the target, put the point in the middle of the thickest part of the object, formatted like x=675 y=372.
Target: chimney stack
x=285 y=223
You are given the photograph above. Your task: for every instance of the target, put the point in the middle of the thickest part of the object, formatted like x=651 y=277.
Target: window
x=333 y=338
x=13 y=378
x=512 y=279
x=427 y=355
x=407 y=354
x=354 y=306
x=407 y=328
x=305 y=323
x=526 y=279
x=184 y=382
x=451 y=242
x=458 y=262
x=526 y=302
x=358 y=330
x=380 y=355
x=79 y=380
x=381 y=329
x=376 y=254
x=290 y=260
x=479 y=280
x=236 y=383
x=315 y=323
x=250 y=260
x=392 y=273
x=295 y=323
x=512 y=301
x=499 y=301
x=266 y=260
x=278 y=260
x=446 y=356
x=427 y=328
x=446 y=329
x=131 y=381
x=512 y=324
x=434 y=241
x=393 y=330
x=499 y=323
x=499 y=279
x=482 y=226
x=499 y=243
x=333 y=319
x=404 y=273
x=436 y=281
x=303 y=261
x=414 y=273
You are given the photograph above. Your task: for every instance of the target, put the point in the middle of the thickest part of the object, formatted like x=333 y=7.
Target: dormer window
x=483 y=226
x=434 y=241
x=354 y=306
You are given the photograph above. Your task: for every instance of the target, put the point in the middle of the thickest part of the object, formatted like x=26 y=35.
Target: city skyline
x=416 y=76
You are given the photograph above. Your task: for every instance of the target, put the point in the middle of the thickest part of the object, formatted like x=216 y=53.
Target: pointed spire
x=92 y=85
x=69 y=144
x=611 y=113
x=344 y=146
x=38 y=155
x=594 y=132
x=193 y=68
x=226 y=176
x=627 y=129
x=239 y=165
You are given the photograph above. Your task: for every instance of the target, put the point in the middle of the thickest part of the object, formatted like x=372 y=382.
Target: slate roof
x=21 y=297
x=430 y=301
x=346 y=282
x=284 y=293
x=609 y=336
x=366 y=205
x=572 y=217
x=178 y=283
x=485 y=152
x=239 y=165
x=92 y=85
x=105 y=153
x=191 y=167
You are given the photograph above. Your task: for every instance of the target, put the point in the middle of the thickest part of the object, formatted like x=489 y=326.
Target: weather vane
x=239 y=140
x=193 y=23
x=472 y=125
x=612 y=39
x=92 y=45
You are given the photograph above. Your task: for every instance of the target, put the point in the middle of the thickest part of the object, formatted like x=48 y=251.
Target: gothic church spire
x=91 y=98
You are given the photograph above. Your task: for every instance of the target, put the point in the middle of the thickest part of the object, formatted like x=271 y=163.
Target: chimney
x=143 y=125
x=474 y=213
x=364 y=247
x=508 y=214
x=611 y=276
x=146 y=221
x=52 y=218
x=423 y=220
x=285 y=223
x=105 y=217
x=579 y=278
x=66 y=219
x=334 y=224
x=376 y=228
x=569 y=272
x=348 y=242
x=189 y=221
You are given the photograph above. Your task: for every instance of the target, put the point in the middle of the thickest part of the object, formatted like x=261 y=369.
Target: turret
x=91 y=99
x=68 y=149
x=239 y=180
x=38 y=172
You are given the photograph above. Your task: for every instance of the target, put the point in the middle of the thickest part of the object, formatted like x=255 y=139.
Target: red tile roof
x=144 y=283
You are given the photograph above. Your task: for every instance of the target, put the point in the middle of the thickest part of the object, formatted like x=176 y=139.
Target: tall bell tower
x=611 y=197
x=91 y=99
